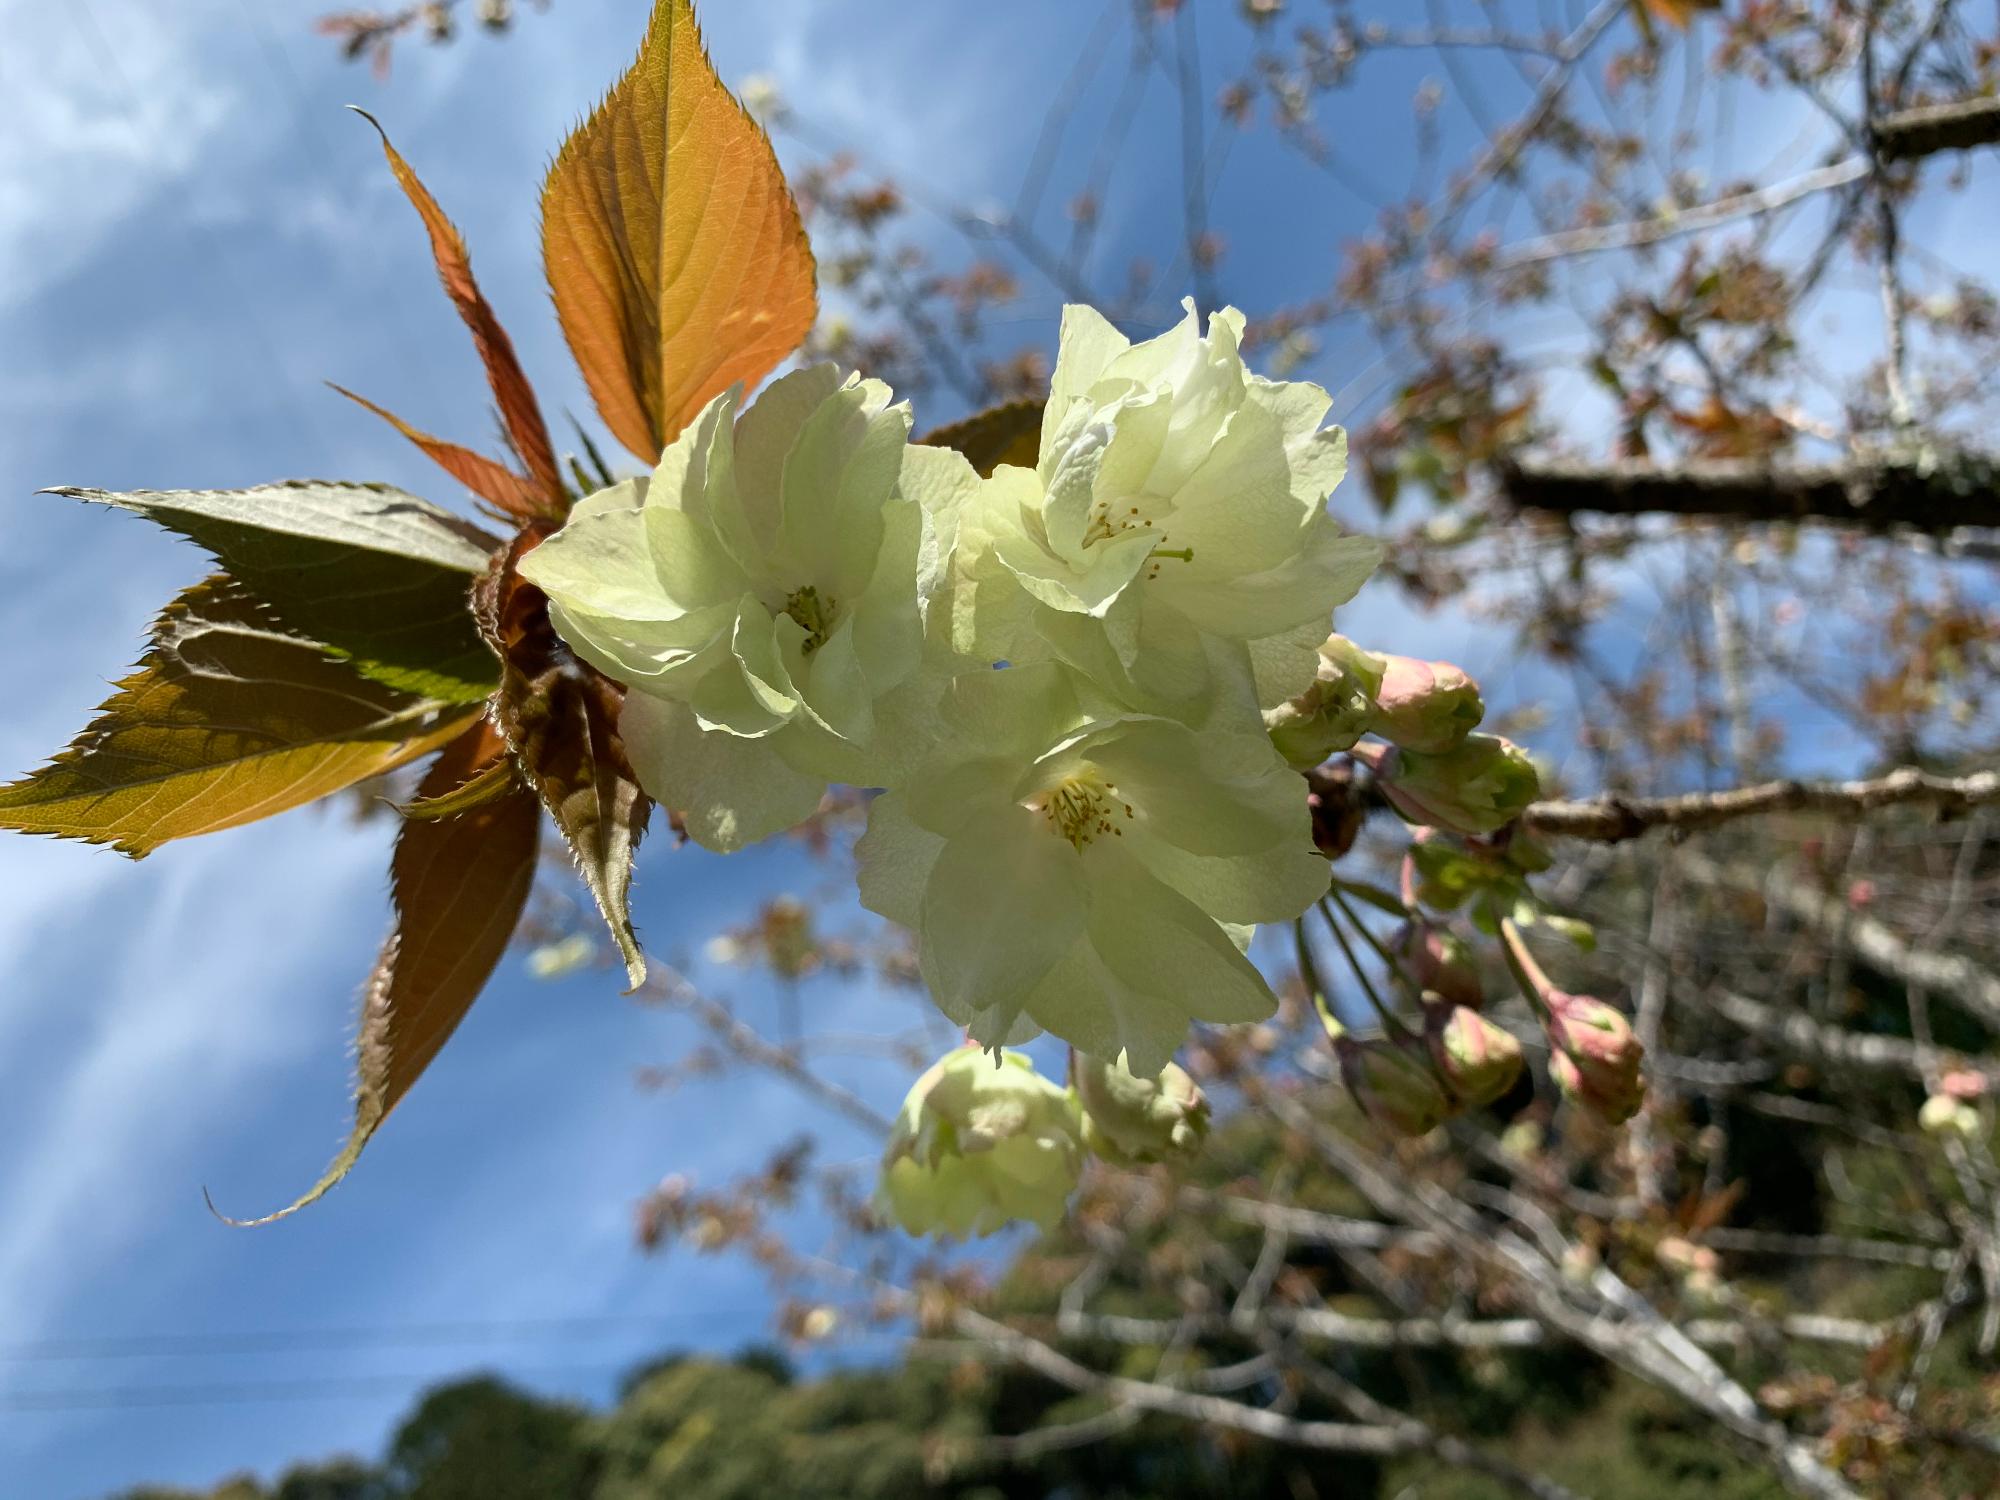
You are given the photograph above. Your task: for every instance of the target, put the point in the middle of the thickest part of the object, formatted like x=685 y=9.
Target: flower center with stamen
x=1080 y=808
x=814 y=615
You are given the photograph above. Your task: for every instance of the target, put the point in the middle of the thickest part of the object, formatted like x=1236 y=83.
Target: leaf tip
x=370 y=119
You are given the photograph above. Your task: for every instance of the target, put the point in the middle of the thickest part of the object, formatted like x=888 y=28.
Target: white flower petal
x=765 y=437
x=1002 y=905
x=600 y=565
x=1089 y=344
x=893 y=861
x=730 y=792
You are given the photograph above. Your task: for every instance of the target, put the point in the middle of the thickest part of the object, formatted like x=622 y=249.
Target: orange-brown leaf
x=1006 y=434
x=460 y=885
x=673 y=246
x=487 y=478
x=519 y=410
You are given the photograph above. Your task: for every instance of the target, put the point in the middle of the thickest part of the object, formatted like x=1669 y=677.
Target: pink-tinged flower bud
x=1478 y=786
x=1440 y=961
x=1428 y=706
x=1594 y=1057
x=1963 y=1083
x=1479 y=1061
x=1334 y=712
x=1394 y=1084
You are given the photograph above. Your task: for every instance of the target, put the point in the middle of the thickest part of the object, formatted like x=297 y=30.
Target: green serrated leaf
x=377 y=577
x=229 y=718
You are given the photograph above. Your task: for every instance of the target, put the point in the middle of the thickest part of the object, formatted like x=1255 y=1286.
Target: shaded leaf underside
x=372 y=574
x=673 y=247
x=561 y=720
x=230 y=717
x=1007 y=434
x=460 y=885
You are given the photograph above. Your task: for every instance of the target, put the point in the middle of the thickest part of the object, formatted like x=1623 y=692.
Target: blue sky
x=193 y=236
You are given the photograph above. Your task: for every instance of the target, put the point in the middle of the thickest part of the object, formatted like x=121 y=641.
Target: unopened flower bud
x=1440 y=961
x=1944 y=1115
x=980 y=1142
x=1480 y=1062
x=1594 y=1057
x=1478 y=786
x=1334 y=712
x=1130 y=1120
x=1967 y=1084
x=1395 y=1085
x=1428 y=706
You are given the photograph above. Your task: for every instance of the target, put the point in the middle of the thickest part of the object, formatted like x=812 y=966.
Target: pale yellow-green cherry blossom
x=1177 y=495
x=1089 y=873
x=758 y=593
x=1132 y=1120
x=981 y=1141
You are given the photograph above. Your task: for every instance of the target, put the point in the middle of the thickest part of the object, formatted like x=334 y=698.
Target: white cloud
x=184 y=1013
x=104 y=105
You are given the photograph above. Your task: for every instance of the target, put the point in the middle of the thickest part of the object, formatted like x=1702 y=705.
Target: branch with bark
x=1874 y=495
x=1958 y=126
x=1613 y=818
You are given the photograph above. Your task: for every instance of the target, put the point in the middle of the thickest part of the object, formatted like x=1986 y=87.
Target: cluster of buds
x=1410 y=1084
x=1952 y=1110
x=1434 y=769
x=983 y=1140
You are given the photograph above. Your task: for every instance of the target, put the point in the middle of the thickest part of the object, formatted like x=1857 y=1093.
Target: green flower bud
x=1132 y=1121
x=1480 y=1062
x=1334 y=712
x=982 y=1140
x=1479 y=786
x=1440 y=961
x=1428 y=706
x=1394 y=1084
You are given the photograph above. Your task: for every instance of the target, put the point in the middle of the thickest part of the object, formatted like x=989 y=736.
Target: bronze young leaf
x=541 y=491
x=488 y=478
x=460 y=885
x=560 y=718
x=673 y=246
x=231 y=717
